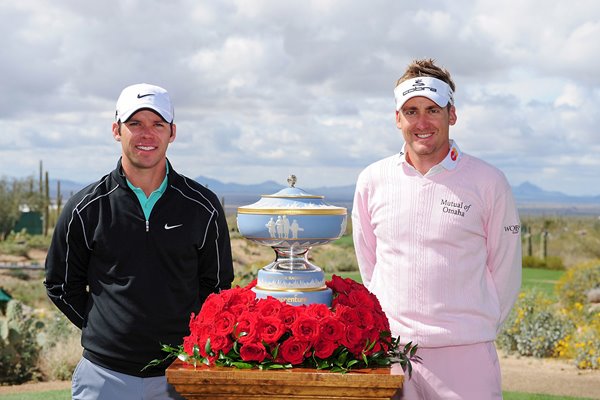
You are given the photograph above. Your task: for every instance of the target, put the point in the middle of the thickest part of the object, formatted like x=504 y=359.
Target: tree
x=14 y=194
x=9 y=206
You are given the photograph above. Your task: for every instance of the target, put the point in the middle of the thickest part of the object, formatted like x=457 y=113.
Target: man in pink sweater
x=437 y=237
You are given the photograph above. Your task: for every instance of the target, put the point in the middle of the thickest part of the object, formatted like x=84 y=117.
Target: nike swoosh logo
x=167 y=226
x=139 y=96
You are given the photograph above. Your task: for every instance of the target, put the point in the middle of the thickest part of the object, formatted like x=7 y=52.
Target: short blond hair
x=426 y=67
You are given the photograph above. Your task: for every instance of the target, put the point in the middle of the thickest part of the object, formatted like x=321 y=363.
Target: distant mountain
x=527 y=195
x=527 y=192
x=267 y=187
x=67 y=188
x=236 y=194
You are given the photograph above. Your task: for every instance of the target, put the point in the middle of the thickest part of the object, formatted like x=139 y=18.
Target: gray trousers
x=92 y=382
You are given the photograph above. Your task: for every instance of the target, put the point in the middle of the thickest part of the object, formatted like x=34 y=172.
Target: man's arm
x=365 y=242
x=215 y=263
x=66 y=267
x=504 y=251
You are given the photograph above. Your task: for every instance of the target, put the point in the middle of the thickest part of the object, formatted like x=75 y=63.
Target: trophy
x=291 y=221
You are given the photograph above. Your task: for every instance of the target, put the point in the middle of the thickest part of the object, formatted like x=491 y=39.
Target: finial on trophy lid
x=291 y=180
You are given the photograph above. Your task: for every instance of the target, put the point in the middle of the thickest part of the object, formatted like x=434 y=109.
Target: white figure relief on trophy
x=295 y=227
x=271 y=227
x=281 y=228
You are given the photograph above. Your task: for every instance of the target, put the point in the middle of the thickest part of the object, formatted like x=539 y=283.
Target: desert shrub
x=59 y=361
x=61 y=348
x=19 y=243
x=19 y=349
x=573 y=286
x=586 y=342
x=333 y=258
x=533 y=262
x=14 y=248
x=18 y=273
x=583 y=344
x=30 y=291
x=534 y=326
x=551 y=262
x=554 y=263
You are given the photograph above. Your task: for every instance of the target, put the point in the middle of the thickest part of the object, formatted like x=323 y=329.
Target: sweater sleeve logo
x=514 y=229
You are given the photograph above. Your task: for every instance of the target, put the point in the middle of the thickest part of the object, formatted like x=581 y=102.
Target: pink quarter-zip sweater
x=442 y=252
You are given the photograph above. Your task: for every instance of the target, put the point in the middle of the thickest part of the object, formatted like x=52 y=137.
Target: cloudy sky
x=266 y=88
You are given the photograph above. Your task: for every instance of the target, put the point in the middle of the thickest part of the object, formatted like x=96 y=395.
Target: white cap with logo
x=136 y=97
x=434 y=89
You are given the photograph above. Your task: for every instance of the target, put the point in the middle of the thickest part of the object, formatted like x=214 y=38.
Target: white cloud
x=266 y=88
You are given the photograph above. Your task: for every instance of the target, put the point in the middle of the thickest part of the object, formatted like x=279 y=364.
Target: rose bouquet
x=236 y=329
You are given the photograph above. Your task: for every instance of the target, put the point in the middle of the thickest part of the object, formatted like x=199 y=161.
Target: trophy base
x=291 y=278
x=298 y=297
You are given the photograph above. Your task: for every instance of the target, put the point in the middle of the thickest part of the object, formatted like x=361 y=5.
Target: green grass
x=66 y=394
x=48 y=395
x=354 y=275
x=531 y=396
x=543 y=279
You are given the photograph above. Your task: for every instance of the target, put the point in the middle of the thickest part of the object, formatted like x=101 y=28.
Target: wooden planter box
x=204 y=382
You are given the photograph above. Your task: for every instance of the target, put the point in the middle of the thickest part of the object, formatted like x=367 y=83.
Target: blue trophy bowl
x=291 y=221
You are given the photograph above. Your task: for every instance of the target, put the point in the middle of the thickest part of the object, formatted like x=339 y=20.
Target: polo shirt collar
x=448 y=163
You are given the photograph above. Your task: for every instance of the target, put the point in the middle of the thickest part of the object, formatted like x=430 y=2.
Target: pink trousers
x=456 y=372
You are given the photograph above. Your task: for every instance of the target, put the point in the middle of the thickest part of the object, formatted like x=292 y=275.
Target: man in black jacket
x=134 y=254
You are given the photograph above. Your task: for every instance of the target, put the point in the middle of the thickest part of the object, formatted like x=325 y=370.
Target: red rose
x=253 y=352
x=239 y=309
x=201 y=329
x=324 y=348
x=332 y=329
x=246 y=329
x=217 y=344
x=365 y=317
x=354 y=339
x=374 y=336
x=306 y=328
x=239 y=298
x=339 y=284
x=360 y=298
x=271 y=329
x=288 y=314
x=341 y=299
x=227 y=294
x=268 y=307
x=381 y=322
x=224 y=323
x=293 y=350
x=318 y=311
x=252 y=284
x=212 y=306
x=189 y=342
x=347 y=315
x=220 y=343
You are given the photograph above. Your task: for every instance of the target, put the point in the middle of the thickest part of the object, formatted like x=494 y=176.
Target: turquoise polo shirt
x=148 y=203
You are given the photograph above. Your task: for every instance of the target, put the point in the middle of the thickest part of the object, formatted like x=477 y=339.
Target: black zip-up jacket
x=129 y=283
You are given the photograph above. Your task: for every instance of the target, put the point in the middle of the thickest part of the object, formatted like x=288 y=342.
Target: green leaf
x=266 y=365
x=241 y=365
x=207 y=348
x=413 y=351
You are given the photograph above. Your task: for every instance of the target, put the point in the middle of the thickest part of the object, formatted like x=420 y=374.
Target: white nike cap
x=434 y=89
x=136 y=97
